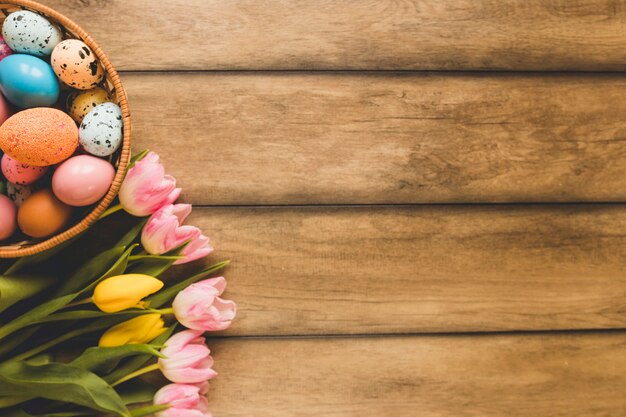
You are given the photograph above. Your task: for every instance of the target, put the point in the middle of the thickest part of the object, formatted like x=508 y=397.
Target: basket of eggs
x=64 y=129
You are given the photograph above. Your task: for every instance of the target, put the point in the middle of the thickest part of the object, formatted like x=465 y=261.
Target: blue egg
x=27 y=81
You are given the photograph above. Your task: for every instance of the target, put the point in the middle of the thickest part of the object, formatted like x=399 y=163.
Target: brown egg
x=42 y=214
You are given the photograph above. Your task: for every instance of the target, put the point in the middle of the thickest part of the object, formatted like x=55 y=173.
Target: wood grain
x=356 y=34
x=470 y=376
x=336 y=138
x=378 y=270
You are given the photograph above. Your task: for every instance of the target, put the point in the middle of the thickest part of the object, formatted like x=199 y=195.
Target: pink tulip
x=187 y=358
x=165 y=231
x=199 y=306
x=184 y=400
x=146 y=188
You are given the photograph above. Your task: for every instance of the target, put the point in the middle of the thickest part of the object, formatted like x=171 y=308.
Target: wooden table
x=383 y=175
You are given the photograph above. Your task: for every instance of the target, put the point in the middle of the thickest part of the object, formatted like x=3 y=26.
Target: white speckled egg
x=18 y=193
x=29 y=33
x=100 y=132
x=76 y=65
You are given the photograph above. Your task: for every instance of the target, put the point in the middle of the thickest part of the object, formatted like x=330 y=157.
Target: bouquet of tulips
x=82 y=322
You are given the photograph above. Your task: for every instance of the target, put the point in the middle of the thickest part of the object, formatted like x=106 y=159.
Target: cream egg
x=27 y=32
x=101 y=132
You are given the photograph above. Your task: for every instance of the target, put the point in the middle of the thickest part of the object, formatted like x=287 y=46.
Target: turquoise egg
x=27 y=81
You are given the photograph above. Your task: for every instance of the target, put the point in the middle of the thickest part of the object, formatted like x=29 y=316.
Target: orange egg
x=42 y=215
x=76 y=65
x=40 y=136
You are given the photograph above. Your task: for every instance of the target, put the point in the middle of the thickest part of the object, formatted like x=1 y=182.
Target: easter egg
x=5 y=51
x=28 y=81
x=42 y=214
x=29 y=33
x=18 y=193
x=19 y=173
x=100 y=132
x=7 y=217
x=39 y=137
x=82 y=180
x=76 y=65
x=81 y=104
x=5 y=110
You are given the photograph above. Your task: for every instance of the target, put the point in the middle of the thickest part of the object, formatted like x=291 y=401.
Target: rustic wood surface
x=357 y=34
x=346 y=138
x=354 y=299
x=373 y=270
x=578 y=375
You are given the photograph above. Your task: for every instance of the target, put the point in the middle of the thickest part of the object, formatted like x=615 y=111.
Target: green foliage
x=61 y=382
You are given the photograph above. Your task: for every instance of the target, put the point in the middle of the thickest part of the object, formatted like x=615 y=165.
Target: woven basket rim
x=124 y=157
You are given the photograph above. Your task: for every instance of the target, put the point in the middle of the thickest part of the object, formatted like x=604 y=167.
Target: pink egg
x=82 y=180
x=5 y=109
x=19 y=173
x=5 y=51
x=8 y=217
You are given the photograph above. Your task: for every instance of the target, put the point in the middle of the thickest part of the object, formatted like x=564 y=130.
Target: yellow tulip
x=141 y=329
x=125 y=291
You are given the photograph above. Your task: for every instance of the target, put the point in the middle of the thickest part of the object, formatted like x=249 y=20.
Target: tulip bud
x=184 y=400
x=141 y=329
x=187 y=358
x=146 y=188
x=125 y=291
x=199 y=306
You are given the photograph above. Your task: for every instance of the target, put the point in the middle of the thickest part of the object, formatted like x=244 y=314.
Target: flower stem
x=166 y=311
x=137 y=373
x=79 y=302
x=111 y=210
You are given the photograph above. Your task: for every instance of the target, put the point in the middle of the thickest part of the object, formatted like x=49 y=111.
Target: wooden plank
x=512 y=375
x=378 y=270
x=357 y=34
x=335 y=138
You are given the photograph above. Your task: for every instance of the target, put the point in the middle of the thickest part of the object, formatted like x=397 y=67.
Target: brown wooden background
x=422 y=198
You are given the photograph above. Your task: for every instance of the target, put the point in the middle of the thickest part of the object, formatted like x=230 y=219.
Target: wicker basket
x=120 y=159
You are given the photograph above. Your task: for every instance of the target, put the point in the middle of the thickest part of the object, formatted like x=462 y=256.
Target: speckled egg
x=80 y=104
x=29 y=33
x=18 y=193
x=5 y=51
x=7 y=217
x=100 y=132
x=19 y=173
x=76 y=65
x=41 y=136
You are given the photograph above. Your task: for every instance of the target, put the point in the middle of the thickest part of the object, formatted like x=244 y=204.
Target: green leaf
x=37 y=313
x=7 y=402
x=91 y=270
x=137 y=391
x=104 y=359
x=138 y=157
x=149 y=410
x=132 y=234
x=61 y=382
x=155 y=267
x=17 y=339
x=137 y=362
x=15 y=288
x=42 y=359
x=163 y=296
x=43 y=310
